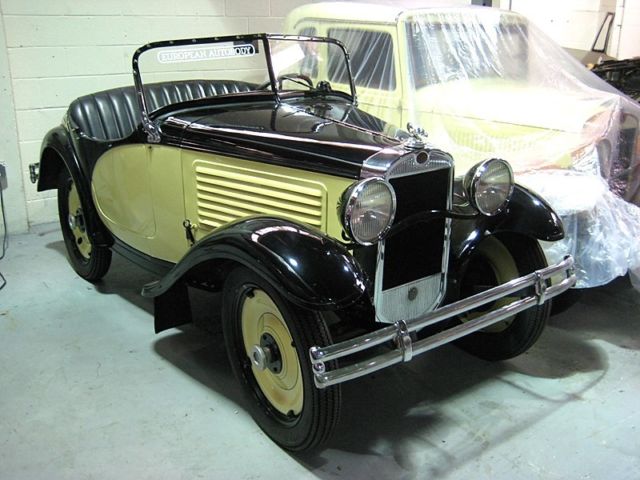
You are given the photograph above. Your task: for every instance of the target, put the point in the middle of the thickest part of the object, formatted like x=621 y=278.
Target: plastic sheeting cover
x=487 y=83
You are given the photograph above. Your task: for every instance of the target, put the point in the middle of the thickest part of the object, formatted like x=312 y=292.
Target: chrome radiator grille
x=412 y=263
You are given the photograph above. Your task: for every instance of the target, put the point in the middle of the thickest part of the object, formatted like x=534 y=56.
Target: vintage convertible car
x=484 y=82
x=339 y=249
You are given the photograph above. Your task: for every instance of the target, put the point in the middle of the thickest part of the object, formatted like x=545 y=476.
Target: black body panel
x=310 y=268
x=151 y=264
x=319 y=133
x=310 y=134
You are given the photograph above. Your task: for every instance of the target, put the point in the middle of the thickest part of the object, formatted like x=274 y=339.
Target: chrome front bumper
x=400 y=332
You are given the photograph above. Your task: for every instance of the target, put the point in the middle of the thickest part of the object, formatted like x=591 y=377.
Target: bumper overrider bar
x=400 y=332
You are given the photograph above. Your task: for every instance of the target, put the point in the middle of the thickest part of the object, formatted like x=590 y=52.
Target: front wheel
x=268 y=340
x=496 y=261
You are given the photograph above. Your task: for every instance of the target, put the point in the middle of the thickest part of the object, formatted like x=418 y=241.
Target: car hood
x=515 y=103
x=333 y=138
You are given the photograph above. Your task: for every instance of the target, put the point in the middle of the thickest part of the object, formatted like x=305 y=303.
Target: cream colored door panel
x=121 y=190
x=137 y=190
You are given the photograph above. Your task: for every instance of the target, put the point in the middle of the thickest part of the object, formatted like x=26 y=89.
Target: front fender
x=527 y=214
x=308 y=267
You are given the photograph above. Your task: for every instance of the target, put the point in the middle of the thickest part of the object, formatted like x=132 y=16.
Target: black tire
x=297 y=415
x=89 y=261
x=499 y=259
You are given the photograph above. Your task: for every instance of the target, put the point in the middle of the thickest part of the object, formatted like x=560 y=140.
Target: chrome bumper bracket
x=399 y=335
x=403 y=341
x=541 y=288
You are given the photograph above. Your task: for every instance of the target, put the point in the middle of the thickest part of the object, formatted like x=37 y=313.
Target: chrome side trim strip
x=405 y=349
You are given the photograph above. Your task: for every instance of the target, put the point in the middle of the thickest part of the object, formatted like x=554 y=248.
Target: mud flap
x=172 y=308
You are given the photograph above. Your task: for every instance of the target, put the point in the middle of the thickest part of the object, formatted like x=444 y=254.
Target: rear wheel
x=268 y=340
x=89 y=261
x=496 y=261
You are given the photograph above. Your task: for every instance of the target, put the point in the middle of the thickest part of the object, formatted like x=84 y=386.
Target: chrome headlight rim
x=349 y=200
x=474 y=176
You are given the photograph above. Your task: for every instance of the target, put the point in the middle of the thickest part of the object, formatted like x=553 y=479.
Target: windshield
x=459 y=50
x=205 y=68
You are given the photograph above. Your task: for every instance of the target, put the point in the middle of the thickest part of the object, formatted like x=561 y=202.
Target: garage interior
x=88 y=391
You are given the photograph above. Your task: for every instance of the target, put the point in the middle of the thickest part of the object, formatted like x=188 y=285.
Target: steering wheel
x=299 y=78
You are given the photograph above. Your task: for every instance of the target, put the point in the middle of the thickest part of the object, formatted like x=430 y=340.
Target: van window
x=372 y=62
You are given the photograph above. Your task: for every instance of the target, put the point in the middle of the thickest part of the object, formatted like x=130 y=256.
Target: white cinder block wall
x=52 y=51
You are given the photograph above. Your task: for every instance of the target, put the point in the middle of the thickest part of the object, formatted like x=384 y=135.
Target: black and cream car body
x=341 y=245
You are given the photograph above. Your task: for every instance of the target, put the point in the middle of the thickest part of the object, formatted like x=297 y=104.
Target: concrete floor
x=88 y=391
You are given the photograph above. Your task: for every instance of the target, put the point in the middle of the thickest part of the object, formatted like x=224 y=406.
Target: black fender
x=527 y=214
x=306 y=266
x=58 y=152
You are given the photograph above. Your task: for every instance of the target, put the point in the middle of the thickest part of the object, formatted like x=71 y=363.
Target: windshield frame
x=153 y=133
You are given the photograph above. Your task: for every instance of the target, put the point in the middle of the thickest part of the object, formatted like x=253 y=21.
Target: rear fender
x=57 y=152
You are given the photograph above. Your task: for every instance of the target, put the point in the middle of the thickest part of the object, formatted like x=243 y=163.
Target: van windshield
x=444 y=51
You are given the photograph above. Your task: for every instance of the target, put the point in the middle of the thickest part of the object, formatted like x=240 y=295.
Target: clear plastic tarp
x=487 y=83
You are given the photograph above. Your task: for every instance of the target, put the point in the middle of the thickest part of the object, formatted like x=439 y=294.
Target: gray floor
x=88 y=391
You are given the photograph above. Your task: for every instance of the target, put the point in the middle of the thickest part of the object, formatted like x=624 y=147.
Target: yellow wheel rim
x=504 y=268
x=283 y=389
x=76 y=223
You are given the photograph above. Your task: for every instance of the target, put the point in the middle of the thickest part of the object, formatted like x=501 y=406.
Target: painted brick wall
x=57 y=50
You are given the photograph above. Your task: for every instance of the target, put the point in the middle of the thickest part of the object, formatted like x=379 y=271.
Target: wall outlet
x=3 y=176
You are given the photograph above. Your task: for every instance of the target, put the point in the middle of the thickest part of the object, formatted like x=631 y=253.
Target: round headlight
x=368 y=208
x=489 y=185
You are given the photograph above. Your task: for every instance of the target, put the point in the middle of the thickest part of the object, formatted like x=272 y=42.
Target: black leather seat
x=114 y=114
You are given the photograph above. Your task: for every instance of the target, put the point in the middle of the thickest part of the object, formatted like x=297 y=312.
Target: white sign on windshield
x=198 y=54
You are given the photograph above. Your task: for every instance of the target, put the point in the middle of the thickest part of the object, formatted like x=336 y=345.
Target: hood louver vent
x=226 y=193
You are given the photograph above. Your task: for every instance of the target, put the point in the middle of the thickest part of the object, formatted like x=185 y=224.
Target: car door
x=138 y=192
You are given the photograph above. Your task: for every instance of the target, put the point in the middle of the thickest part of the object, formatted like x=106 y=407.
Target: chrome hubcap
x=259 y=357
